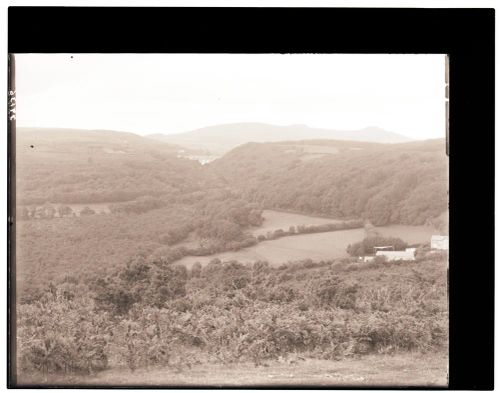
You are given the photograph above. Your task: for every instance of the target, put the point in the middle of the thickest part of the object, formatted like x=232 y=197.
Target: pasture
x=315 y=246
x=310 y=152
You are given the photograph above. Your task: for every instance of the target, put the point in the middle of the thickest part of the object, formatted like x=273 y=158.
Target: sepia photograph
x=231 y=220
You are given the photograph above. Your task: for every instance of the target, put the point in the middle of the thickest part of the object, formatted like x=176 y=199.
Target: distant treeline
x=304 y=229
x=49 y=211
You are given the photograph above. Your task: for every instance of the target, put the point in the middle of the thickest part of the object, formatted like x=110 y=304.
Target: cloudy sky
x=170 y=93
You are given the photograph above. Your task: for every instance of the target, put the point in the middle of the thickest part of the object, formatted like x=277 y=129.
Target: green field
x=315 y=246
x=401 y=370
x=310 y=152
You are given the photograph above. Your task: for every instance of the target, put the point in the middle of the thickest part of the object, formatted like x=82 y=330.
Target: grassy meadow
x=314 y=246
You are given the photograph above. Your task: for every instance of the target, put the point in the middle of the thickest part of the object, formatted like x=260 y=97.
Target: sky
x=172 y=93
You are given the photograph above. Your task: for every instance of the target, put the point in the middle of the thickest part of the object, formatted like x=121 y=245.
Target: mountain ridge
x=224 y=137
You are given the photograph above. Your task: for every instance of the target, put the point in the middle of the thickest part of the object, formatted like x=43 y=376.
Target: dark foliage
x=366 y=246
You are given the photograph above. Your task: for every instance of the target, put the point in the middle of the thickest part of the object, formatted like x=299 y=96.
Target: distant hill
x=222 y=138
x=76 y=139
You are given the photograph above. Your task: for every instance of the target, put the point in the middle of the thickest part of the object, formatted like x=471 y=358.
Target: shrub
x=87 y=211
x=333 y=291
x=196 y=269
x=366 y=246
x=57 y=334
x=148 y=313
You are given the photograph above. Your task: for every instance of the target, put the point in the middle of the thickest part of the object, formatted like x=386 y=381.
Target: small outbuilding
x=439 y=242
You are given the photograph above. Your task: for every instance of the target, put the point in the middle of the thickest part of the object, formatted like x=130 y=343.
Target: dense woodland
x=100 y=290
x=404 y=183
x=92 y=244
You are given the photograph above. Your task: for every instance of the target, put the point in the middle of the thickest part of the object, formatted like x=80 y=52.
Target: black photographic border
x=466 y=35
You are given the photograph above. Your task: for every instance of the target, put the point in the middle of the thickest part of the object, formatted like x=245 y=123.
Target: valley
x=229 y=220
x=133 y=256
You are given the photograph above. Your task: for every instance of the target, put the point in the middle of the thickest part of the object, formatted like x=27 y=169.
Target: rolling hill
x=83 y=166
x=59 y=139
x=156 y=200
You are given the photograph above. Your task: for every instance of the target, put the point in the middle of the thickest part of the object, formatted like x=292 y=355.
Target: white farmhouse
x=439 y=242
x=406 y=255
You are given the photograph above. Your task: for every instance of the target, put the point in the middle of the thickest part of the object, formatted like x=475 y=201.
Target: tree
x=111 y=295
x=64 y=210
x=278 y=233
x=367 y=245
x=196 y=269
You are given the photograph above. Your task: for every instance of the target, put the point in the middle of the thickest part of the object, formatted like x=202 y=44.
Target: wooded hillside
x=399 y=183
